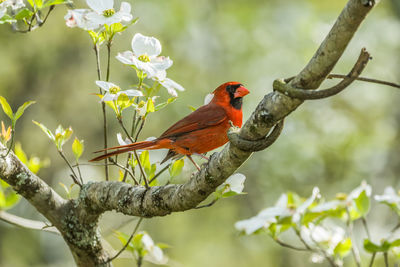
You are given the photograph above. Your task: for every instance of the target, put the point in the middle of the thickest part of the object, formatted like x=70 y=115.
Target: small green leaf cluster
x=59 y=137
x=9 y=112
x=9 y=133
x=27 y=18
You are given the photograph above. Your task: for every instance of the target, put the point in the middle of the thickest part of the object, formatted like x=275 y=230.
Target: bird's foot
x=194 y=163
x=201 y=156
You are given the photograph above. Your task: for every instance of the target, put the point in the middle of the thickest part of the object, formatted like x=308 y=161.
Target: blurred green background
x=333 y=144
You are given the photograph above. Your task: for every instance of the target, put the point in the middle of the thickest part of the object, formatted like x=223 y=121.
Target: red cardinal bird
x=201 y=131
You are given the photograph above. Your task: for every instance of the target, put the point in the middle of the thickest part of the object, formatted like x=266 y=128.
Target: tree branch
x=26 y=223
x=162 y=200
x=31 y=187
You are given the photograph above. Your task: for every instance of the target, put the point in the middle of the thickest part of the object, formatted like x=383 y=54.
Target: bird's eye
x=232 y=88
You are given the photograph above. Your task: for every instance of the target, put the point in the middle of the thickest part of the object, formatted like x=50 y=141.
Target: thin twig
x=372 y=259
x=365 y=224
x=31 y=22
x=354 y=250
x=135 y=153
x=159 y=173
x=385 y=256
x=127 y=242
x=74 y=177
x=319 y=250
x=395 y=228
x=26 y=223
x=207 y=205
x=103 y=106
x=47 y=15
x=108 y=60
x=283 y=244
x=364 y=79
x=79 y=171
x=12 y=142
x=140 y=129
x=146 y=183
x=126 y=169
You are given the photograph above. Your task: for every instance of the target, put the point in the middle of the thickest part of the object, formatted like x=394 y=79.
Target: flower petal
x=100 y=5
x=109 y=97
x=143 y=45
x=121 y=141
x=125 y=12
x=2 y=12
x=161 y=63
x=132 y=92
x=105 y=85
x=171 y=86
x=208 y=98
x=126 y=57
x=78 y=18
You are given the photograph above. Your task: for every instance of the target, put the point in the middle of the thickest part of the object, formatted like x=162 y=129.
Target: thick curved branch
x=162 y=200
x=31 y=187
x=285 y=88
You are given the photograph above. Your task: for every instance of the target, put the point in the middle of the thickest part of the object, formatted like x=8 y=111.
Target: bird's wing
x=205 y=116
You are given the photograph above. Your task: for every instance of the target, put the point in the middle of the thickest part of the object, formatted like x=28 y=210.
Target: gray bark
x=77 y=219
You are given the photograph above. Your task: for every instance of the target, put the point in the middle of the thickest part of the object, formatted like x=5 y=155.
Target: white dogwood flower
x=154 y=253
x=78 y=18
x=145 y=56
x=104 y=12
x=14 y=4
x=167 y=83
x=114 y=91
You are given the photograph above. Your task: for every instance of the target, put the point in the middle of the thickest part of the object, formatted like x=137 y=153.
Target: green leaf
x=12 y=198
x=395 y=243
x=45 y=130
x=20 y=153
x=176 y=168
x=39 y=3
x=31 y=3
x=164 y=104
x=343 y=248
x=124 y=102
x=362 y=203
x=35 y=164
x=2 y=200
x=8 y=197
x=7 y=19
x=77 y=148
x=372 y=247
x=137 y=241
x=150 y=106
x=151 y=172
x=145 y=160
x=3 y=184
x=22 y=108
x=62 y=136
x=56 y=2
x=6 y=108
x=67 y=190
x=24 y=13
x=192 y=108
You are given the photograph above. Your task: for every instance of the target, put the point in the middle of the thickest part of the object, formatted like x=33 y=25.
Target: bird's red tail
x=126 y=148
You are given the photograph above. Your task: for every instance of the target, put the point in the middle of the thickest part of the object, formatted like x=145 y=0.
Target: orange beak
x=241 y=92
